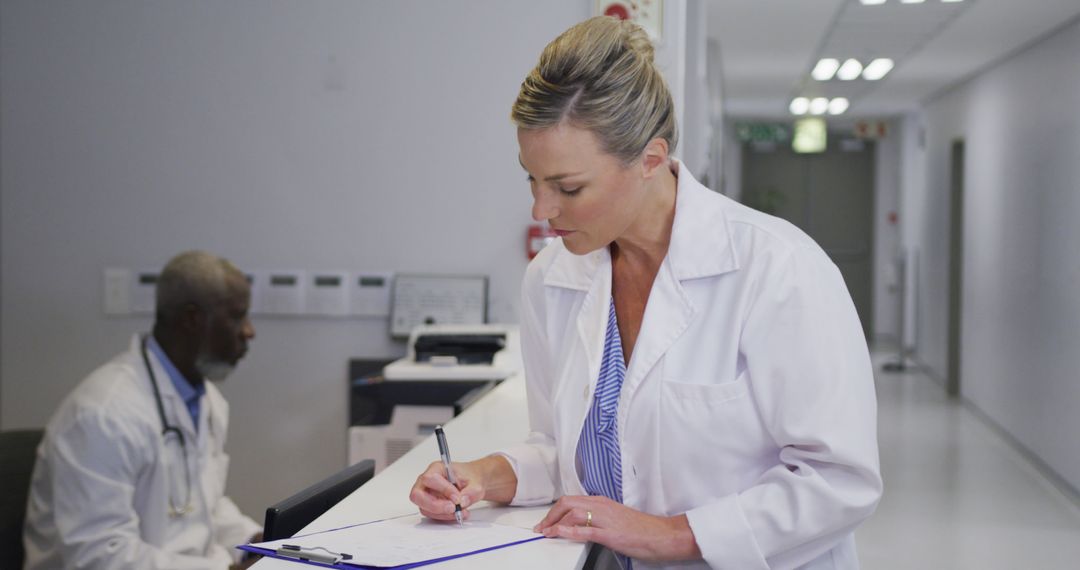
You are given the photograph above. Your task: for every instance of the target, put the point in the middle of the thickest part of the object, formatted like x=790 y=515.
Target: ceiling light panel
x=877 y=69
x=838 y=105
x=825 y=69
x=799 y=106
x=850 y=70
x=818 y=106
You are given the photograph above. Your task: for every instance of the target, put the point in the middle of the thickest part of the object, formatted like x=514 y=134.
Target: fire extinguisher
x=537 y=237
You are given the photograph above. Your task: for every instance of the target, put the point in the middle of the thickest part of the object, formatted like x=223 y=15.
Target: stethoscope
x=186 y=506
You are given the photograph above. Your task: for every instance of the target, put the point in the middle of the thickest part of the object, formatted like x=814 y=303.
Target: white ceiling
x=768 y=47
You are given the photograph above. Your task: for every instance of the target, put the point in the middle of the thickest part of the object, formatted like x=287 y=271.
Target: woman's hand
x=436 y=495
x=620 y=528
x=490 y=478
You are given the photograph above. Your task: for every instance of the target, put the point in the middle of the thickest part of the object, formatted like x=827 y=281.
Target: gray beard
x=211 y=370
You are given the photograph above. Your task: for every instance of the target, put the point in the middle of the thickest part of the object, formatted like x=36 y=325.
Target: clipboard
x=484 y=537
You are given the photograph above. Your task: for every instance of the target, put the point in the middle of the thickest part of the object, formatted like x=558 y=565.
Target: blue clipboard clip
x=313 y=554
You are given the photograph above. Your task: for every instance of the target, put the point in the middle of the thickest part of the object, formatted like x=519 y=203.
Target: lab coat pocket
x=705 y=414
x=712 y=427
x=707 y=394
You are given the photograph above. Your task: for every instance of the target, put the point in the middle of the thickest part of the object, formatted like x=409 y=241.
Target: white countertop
x=497 y=420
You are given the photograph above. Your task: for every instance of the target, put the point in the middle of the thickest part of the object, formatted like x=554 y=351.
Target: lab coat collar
x=701 y=244
x=176 y=411
x=571 y=271
x=190 y=394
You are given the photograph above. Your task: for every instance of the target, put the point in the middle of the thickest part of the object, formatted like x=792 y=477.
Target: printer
x=459 y=352
x=446 y=368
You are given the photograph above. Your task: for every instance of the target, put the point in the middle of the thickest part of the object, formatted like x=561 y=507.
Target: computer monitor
x=286 y=518
x=437 y=300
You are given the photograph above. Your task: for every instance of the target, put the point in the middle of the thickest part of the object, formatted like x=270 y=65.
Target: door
x=956 y=263
x=830 y=196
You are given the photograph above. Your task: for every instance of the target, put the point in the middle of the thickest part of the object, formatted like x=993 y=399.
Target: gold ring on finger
x=588 y=518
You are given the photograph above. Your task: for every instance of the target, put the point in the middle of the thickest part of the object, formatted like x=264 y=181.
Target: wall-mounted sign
x=649 y=14
x=871 y=129
x=762 y=132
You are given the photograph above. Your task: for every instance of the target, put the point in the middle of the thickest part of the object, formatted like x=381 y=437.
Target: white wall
x=671 y=58
x=714 y=79
x=306 y=135
x=283 y=135
x=1021 y=310
x=695 y=125
x=887 y=234
x=912 y=198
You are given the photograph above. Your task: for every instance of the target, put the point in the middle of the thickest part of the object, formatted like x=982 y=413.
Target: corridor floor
x=957 y=495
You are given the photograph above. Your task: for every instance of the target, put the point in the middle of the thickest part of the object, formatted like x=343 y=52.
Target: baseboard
x=1044 y=469
x=1052 y=476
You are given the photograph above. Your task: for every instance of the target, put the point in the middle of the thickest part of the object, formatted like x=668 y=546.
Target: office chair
x=286 y=518
x=18 y=451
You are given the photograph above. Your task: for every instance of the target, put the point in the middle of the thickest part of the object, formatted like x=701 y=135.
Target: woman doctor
x=700 y=392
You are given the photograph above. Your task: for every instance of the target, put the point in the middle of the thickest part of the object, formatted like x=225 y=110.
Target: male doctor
x=131 y=472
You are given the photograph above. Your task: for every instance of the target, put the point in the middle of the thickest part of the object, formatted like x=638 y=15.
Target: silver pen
x=311 y=554
x=444 y=453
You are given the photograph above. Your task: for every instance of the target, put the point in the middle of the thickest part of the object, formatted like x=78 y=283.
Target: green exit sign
x=762 y=132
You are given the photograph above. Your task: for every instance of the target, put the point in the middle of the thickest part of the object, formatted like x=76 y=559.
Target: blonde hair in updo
x=599 y=75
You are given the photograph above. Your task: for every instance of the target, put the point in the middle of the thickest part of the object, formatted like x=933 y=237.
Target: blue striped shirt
x=598 y=449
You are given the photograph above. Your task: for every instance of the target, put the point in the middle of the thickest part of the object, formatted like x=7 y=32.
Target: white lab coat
x=748 y=403
x=100 y=490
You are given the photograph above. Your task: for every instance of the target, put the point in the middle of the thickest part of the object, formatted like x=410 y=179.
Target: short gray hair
x=192 y=278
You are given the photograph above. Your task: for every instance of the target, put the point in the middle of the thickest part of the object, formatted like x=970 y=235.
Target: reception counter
x=497 y=420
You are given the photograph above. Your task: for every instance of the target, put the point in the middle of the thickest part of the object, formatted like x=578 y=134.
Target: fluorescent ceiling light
x=838 y=105
x=819 y=105
x=877 y=69
x=825 y=69
x=850 y=70
x=799 y=106
x=872 y=2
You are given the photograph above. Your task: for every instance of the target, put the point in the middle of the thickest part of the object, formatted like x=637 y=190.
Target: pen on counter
x=311 y=554
x=444 y=453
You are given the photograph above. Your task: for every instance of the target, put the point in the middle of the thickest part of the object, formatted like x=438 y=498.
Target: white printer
x=446 y=368
x=459 y=352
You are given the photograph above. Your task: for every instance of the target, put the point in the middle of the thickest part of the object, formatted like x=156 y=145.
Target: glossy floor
x=957 y=495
